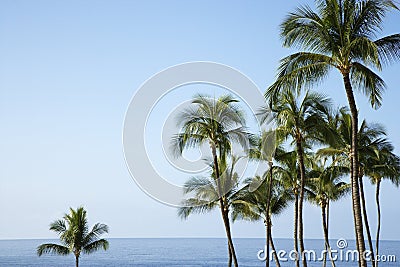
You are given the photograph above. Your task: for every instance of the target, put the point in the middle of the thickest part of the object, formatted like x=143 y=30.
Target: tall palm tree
x=206 y=195
x=75 y=236
x=324 y=187
x=218 y=122
x=267 y=200
x=339 y=35
x=300 y=119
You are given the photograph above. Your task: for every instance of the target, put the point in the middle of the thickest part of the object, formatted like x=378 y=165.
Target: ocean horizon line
x=200 y=237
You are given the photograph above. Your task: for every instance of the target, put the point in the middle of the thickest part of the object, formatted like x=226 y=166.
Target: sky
x=68 y=71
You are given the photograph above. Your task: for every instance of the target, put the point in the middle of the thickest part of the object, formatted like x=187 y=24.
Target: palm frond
x=369 y=83
x=389 y=48
x=305 y=29
x=52 y=249
x=298 y=71
x=58 y=226
x=95 y=246
x=194 y=205
x=97 y=230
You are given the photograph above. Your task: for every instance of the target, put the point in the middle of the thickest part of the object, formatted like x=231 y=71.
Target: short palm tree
x=372 y=147
x=267 y=200
x=220 y=123
x=325 y=186
x=340 y=35
x=300 y=119
x=287 y=172
x=75 y=236
x=206 y=190
x=264 y=151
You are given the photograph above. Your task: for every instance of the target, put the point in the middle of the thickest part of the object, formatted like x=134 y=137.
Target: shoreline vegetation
x=315 y=145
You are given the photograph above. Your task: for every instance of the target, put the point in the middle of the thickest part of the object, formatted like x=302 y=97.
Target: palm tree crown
x=339 y=35
x=216 y=121
x=75 y=236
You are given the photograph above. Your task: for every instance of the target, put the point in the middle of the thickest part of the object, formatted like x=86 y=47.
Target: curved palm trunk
x=300 y=156
x=327 y=217
x=271 y=242
x=365 y=217
x=268 y=220
x=230 y=256
x=76 y=260
x=378 y=230
x=326 y=236
x=224 y=210
x=355 y=194
x=225 y=218
x=327 y=220
x=267 y=237
x=296 y=228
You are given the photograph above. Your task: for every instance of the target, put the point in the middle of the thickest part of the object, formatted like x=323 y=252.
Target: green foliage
x=338 y=35
x=253 y=205
x=204 y=190
x=216 y=121
x=74 y=234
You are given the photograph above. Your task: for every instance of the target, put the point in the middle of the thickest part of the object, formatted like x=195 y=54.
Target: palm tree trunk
x=378 y=230
x=76 y=260
x=267 y=236
x=300 y=156
x=224 y=208
x=326 y=236
x=355 y=194
x=271 y=242
x=325 y=229
x=230 y=256
x=327 y=217
x=225 y=218
x=269 y=190
x=365 y=216
x=295 y=230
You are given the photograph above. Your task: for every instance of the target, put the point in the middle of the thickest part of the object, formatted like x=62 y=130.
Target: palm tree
x=261 y=204
x=264 y=151
x=75 y=236
x=340 y=35
x=206 y=195
x=339 y=149
x=370 y=140
x=301 y=120
x=372 y=146
x=381 y=164
x=287 y=172
x=324 y=187
x=218 y=122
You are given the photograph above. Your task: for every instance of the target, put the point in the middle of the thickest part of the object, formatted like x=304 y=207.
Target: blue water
x=169 y=252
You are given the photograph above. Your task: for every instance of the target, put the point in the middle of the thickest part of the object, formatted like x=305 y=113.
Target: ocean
x=181 y=252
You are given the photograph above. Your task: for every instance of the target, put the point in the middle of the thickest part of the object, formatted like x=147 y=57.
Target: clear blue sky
x=68 y=70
